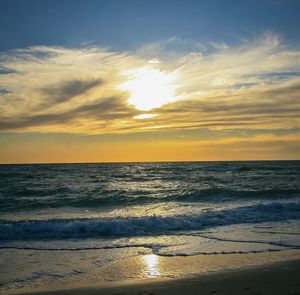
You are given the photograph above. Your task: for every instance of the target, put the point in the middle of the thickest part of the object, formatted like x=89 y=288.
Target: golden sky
x=93 y=104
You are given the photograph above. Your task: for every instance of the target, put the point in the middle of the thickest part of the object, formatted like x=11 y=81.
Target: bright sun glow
x=149 y=87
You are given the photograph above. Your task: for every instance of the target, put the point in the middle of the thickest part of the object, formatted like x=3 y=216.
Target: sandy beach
x=255 y=273
x=279 y=278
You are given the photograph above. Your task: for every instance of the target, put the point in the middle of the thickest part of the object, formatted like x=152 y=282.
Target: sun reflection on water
x=151 y=262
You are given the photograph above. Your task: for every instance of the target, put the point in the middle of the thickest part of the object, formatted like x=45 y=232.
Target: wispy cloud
x=87 y=43
x=254 y=84
x=56 y=94
x=53 y=11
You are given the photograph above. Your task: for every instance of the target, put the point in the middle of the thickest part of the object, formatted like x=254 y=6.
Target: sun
x=149 y=88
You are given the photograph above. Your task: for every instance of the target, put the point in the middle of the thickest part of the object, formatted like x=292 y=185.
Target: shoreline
x=275 y=278
x=255 y=273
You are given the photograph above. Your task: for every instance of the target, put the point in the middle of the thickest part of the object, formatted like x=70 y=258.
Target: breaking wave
x=147 y=225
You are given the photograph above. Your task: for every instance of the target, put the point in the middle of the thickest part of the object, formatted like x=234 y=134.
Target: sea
x=59 y=222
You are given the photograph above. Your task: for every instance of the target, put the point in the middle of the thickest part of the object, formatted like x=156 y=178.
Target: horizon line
x=136 y=162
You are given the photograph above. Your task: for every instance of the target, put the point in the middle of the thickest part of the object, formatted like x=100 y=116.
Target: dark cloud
x=272 y=101
x=5 y=71
x=105 y=110
x=64 y=92
x=4 y=90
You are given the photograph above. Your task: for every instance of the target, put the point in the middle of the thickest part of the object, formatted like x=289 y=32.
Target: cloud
x=88 y=43
x=4 y=71
x=56 y=94
x=53 y=12
x=4 y=90
x=101 y=112
x=220 y=45
x=250 y=85
x=54 y=89
x=269 y=106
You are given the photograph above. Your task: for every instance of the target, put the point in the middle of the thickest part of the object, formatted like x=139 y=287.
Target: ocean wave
x=145 y=225
x=120 y=198
x=33 y=187
x=203 y=195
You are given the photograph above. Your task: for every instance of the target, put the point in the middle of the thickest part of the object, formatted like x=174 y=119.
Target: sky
x=113 y=81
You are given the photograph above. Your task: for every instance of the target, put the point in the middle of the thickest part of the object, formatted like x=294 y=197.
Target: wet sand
x=270 y=278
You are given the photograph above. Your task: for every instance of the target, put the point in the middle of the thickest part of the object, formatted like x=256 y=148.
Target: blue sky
x=124 y=25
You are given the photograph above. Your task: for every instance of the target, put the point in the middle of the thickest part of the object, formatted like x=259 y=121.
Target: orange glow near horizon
x=155 y=150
